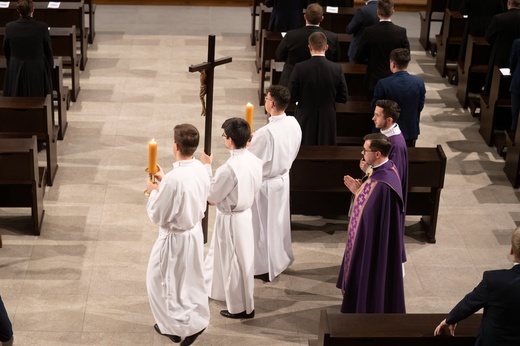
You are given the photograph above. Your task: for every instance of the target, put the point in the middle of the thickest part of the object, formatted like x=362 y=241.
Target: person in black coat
x=6 y=329
x=498 y=294
x=377 y=41
x=365 y=16
x=501 y=33
x=515 y=83
x=28 y=51
x=294 y=46
x=286 y=15
x=316 y=85
x=480 y=13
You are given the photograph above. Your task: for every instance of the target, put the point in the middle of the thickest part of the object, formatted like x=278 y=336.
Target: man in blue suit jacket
x=365 y=16
x=498 y=294
x=405 y=89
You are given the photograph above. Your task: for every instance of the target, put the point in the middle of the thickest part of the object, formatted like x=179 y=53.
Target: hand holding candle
x=250 y=110
x=152 y=157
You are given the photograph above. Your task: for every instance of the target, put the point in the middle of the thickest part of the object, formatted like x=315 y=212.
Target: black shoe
x=174 y=338
x=243 y=314
x=191 y=339
x=263 y=277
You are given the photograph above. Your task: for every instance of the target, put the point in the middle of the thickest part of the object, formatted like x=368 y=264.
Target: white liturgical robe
x=228 y=268
x=277 y=145
x=174 y=278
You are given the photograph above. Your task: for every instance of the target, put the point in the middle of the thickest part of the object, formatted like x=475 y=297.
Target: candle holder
x=152 y=177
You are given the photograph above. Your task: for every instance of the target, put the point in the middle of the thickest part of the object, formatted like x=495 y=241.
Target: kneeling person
x=229 y=265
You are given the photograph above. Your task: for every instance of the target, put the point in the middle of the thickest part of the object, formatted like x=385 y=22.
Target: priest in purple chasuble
x=371 y=274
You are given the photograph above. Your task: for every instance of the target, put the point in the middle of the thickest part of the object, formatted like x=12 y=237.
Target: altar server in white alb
x=277 y=145
x=229 y=265
x=174 y=279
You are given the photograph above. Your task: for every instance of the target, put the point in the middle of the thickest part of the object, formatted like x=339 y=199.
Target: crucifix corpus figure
x=207 y=70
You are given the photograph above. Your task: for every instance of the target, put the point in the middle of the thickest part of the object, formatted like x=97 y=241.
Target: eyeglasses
x=364 y=151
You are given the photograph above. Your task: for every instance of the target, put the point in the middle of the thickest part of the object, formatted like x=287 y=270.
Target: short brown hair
x=318 y=41
x=314 y=13
x=385 y=8
x=401 y=57
x=24 y=7
x=379 y=142
x=186 y=136
x=390 y=109
x=280 y=95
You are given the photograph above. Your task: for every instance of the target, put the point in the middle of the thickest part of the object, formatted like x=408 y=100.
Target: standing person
x=503 y=30
x=6 y=329
x=294 y=47
x=174 y=279
x=497 y=294
x=377 y=41
x=365 y=16
x=371 y=274
x=277 y=145
x=316 y=85
x=229 y=265
x=515 y=83
x=28 y=52
x=407 y=90
x=480 y=13
x=286 y=14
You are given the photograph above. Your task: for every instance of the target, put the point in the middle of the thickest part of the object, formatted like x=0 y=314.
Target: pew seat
x=472 y=71
x=21 y=116
x=495 y=111
x=338 y=329
x=434 y=13
x=22 y=182
x=449 y=42
x=316 y=182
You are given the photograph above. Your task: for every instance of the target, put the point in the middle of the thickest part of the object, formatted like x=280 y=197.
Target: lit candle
x=152 y=156
x=250 y=110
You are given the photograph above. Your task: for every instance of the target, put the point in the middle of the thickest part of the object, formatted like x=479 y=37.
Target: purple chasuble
x=371 y=275
x=399 y=156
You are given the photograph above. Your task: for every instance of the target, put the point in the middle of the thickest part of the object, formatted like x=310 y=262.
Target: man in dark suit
x=501 y=33
x=28 y=51
x=377 y=41
x=293 y=47
x=405 y=89
x=515 y=83
x=365 y=16
x=316 y=85
x=286 y=14
x=498 y=294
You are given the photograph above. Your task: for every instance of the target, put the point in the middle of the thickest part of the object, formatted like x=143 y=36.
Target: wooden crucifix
x=207 y=70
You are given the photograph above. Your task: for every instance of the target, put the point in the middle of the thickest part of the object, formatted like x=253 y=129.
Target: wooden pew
x=59 y=92
x=317 y=188
x=449 y=42
x=512 y=167
x=496 y=109
x=434 y=13
x=355 y=76
x=336 y=329
x=69 y=14
x=90 y=9
x=353 y=122
x=63 y=45
x=22 y=182
x=255 y=12
x=21 y=116
x=472 y=71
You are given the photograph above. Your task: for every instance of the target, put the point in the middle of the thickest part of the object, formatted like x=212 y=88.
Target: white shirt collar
x=392 y=131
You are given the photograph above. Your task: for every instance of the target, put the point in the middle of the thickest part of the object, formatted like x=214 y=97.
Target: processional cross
x=207 y=70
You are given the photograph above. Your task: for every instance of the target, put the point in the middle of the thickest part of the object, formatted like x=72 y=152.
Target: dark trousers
x=515 y=109
x=6 y=329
